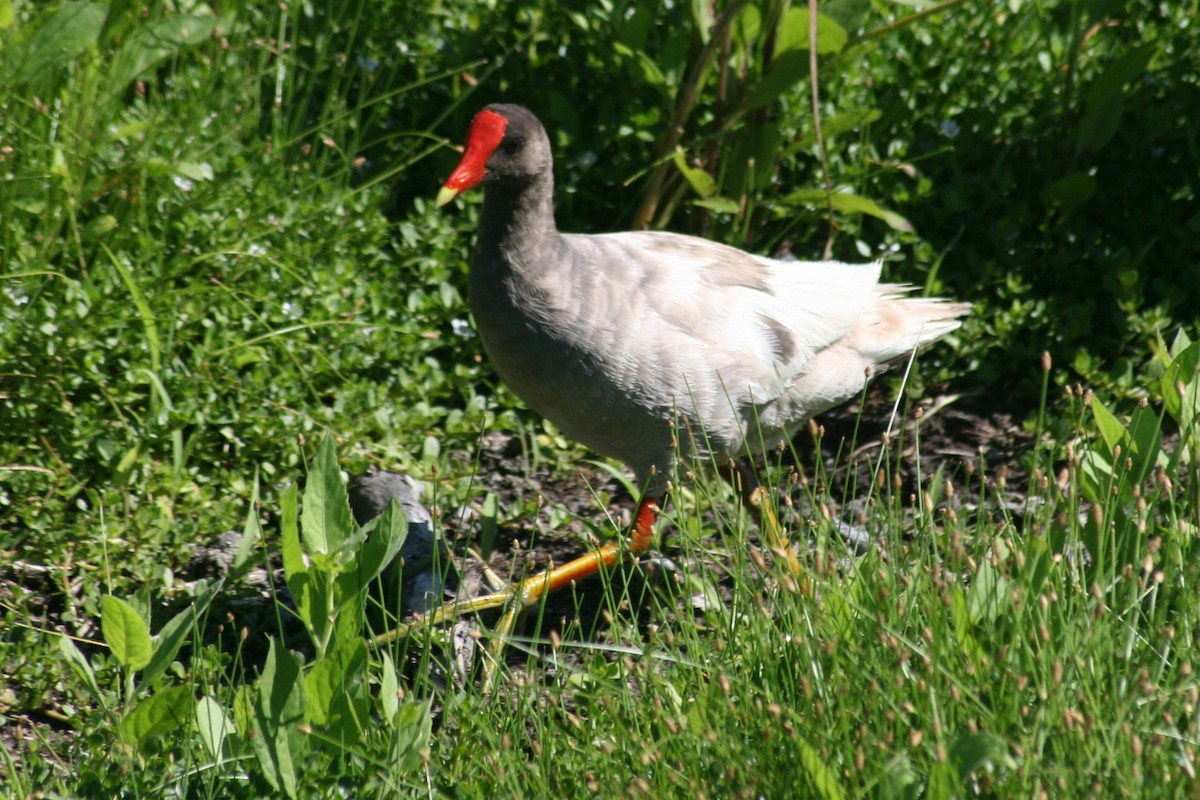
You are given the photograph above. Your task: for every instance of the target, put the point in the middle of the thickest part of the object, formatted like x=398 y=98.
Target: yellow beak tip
x=445 y=196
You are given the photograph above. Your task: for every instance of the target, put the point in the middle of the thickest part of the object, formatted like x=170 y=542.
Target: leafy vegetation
x=217 y=243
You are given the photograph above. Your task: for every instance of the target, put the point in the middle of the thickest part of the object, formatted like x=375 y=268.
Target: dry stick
x=816 y=114
x=687 y=99
x=900 y=23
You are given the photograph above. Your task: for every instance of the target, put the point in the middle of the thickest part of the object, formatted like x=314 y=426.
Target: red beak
x=487 y=130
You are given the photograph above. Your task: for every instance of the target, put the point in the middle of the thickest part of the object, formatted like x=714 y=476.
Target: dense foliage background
x=217 y=235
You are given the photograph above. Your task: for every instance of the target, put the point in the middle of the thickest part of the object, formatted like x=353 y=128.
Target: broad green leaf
x=1099 y=124
x=59 y=36
x=340 y=671
x=389 y=685
x=824 y=779
x=197 y=172
x=278 y=712
x=988 y=596
x=1129 y=67
x=252 y=534
x=1070 y=191
x=856 y=204
x=150 y=44
x=411 y=731
x=786 y=71
x=158 y=715
x=385 y=541
x=1183 y=371
x=1111 y=429
x=326 y=520
x=81 y=665
x=702 y=18
x=635 y=29
x=794 y=34
x=833 y=125
x=289 y=534
x=6 y=14
x=1096 y=475
x=648 y=71
x=214 y=726
x=941 y=782
x=974 y=751
x=149 y=323
x=960 y=614
x=846 y=203
x=721 y=205
x=752 y=165
x=126 y=632
x=701 y=182
x=176 y=632
x=1145 y=437
x=748 y=25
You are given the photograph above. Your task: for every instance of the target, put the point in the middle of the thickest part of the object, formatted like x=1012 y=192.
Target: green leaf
x=326 y=516
x=153 y=43
x=701 y=182
x=647 y=70
x=856 y=204
x=175 y=633
x=836 y=124
x=59 y=36
x=252 y=534
x=794 y=34
x=1070 y=191
x=847 y=203
x=214 y=726
x=386 y=539
x=941 y=783
x=1123 y=70
x=1111 y=429
x=289 y=534
x=1183 y=372
x=278 y=712
x=823 y=778
x=6 y=14
x=1145 y=438
x=721 y=205
x=81 y=665
x=389 y=685
x=972 y=752
x=126 y=632
x=1099 y=125
x=786 y=71
x=340 y=671
x=411 y=731
x=1096 y=475
x=158 y=715
x=149 y=324
x=988 y=596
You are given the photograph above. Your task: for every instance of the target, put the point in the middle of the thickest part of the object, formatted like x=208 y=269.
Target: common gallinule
x=652 y=347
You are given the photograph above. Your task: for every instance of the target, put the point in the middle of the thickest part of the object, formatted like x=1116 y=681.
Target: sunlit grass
x=197 y=282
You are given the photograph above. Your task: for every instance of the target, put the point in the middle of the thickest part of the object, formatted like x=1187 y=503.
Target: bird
x=655 y=347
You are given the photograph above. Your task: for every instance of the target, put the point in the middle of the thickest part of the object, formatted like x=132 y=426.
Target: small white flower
x=183 y=183
x=950 y=128
x=462 y=328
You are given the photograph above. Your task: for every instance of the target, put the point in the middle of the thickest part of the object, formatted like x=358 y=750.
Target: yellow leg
x=741 y=477
x=530 y=591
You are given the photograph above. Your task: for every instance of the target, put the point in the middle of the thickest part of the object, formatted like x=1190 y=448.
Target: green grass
x=217 y=245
